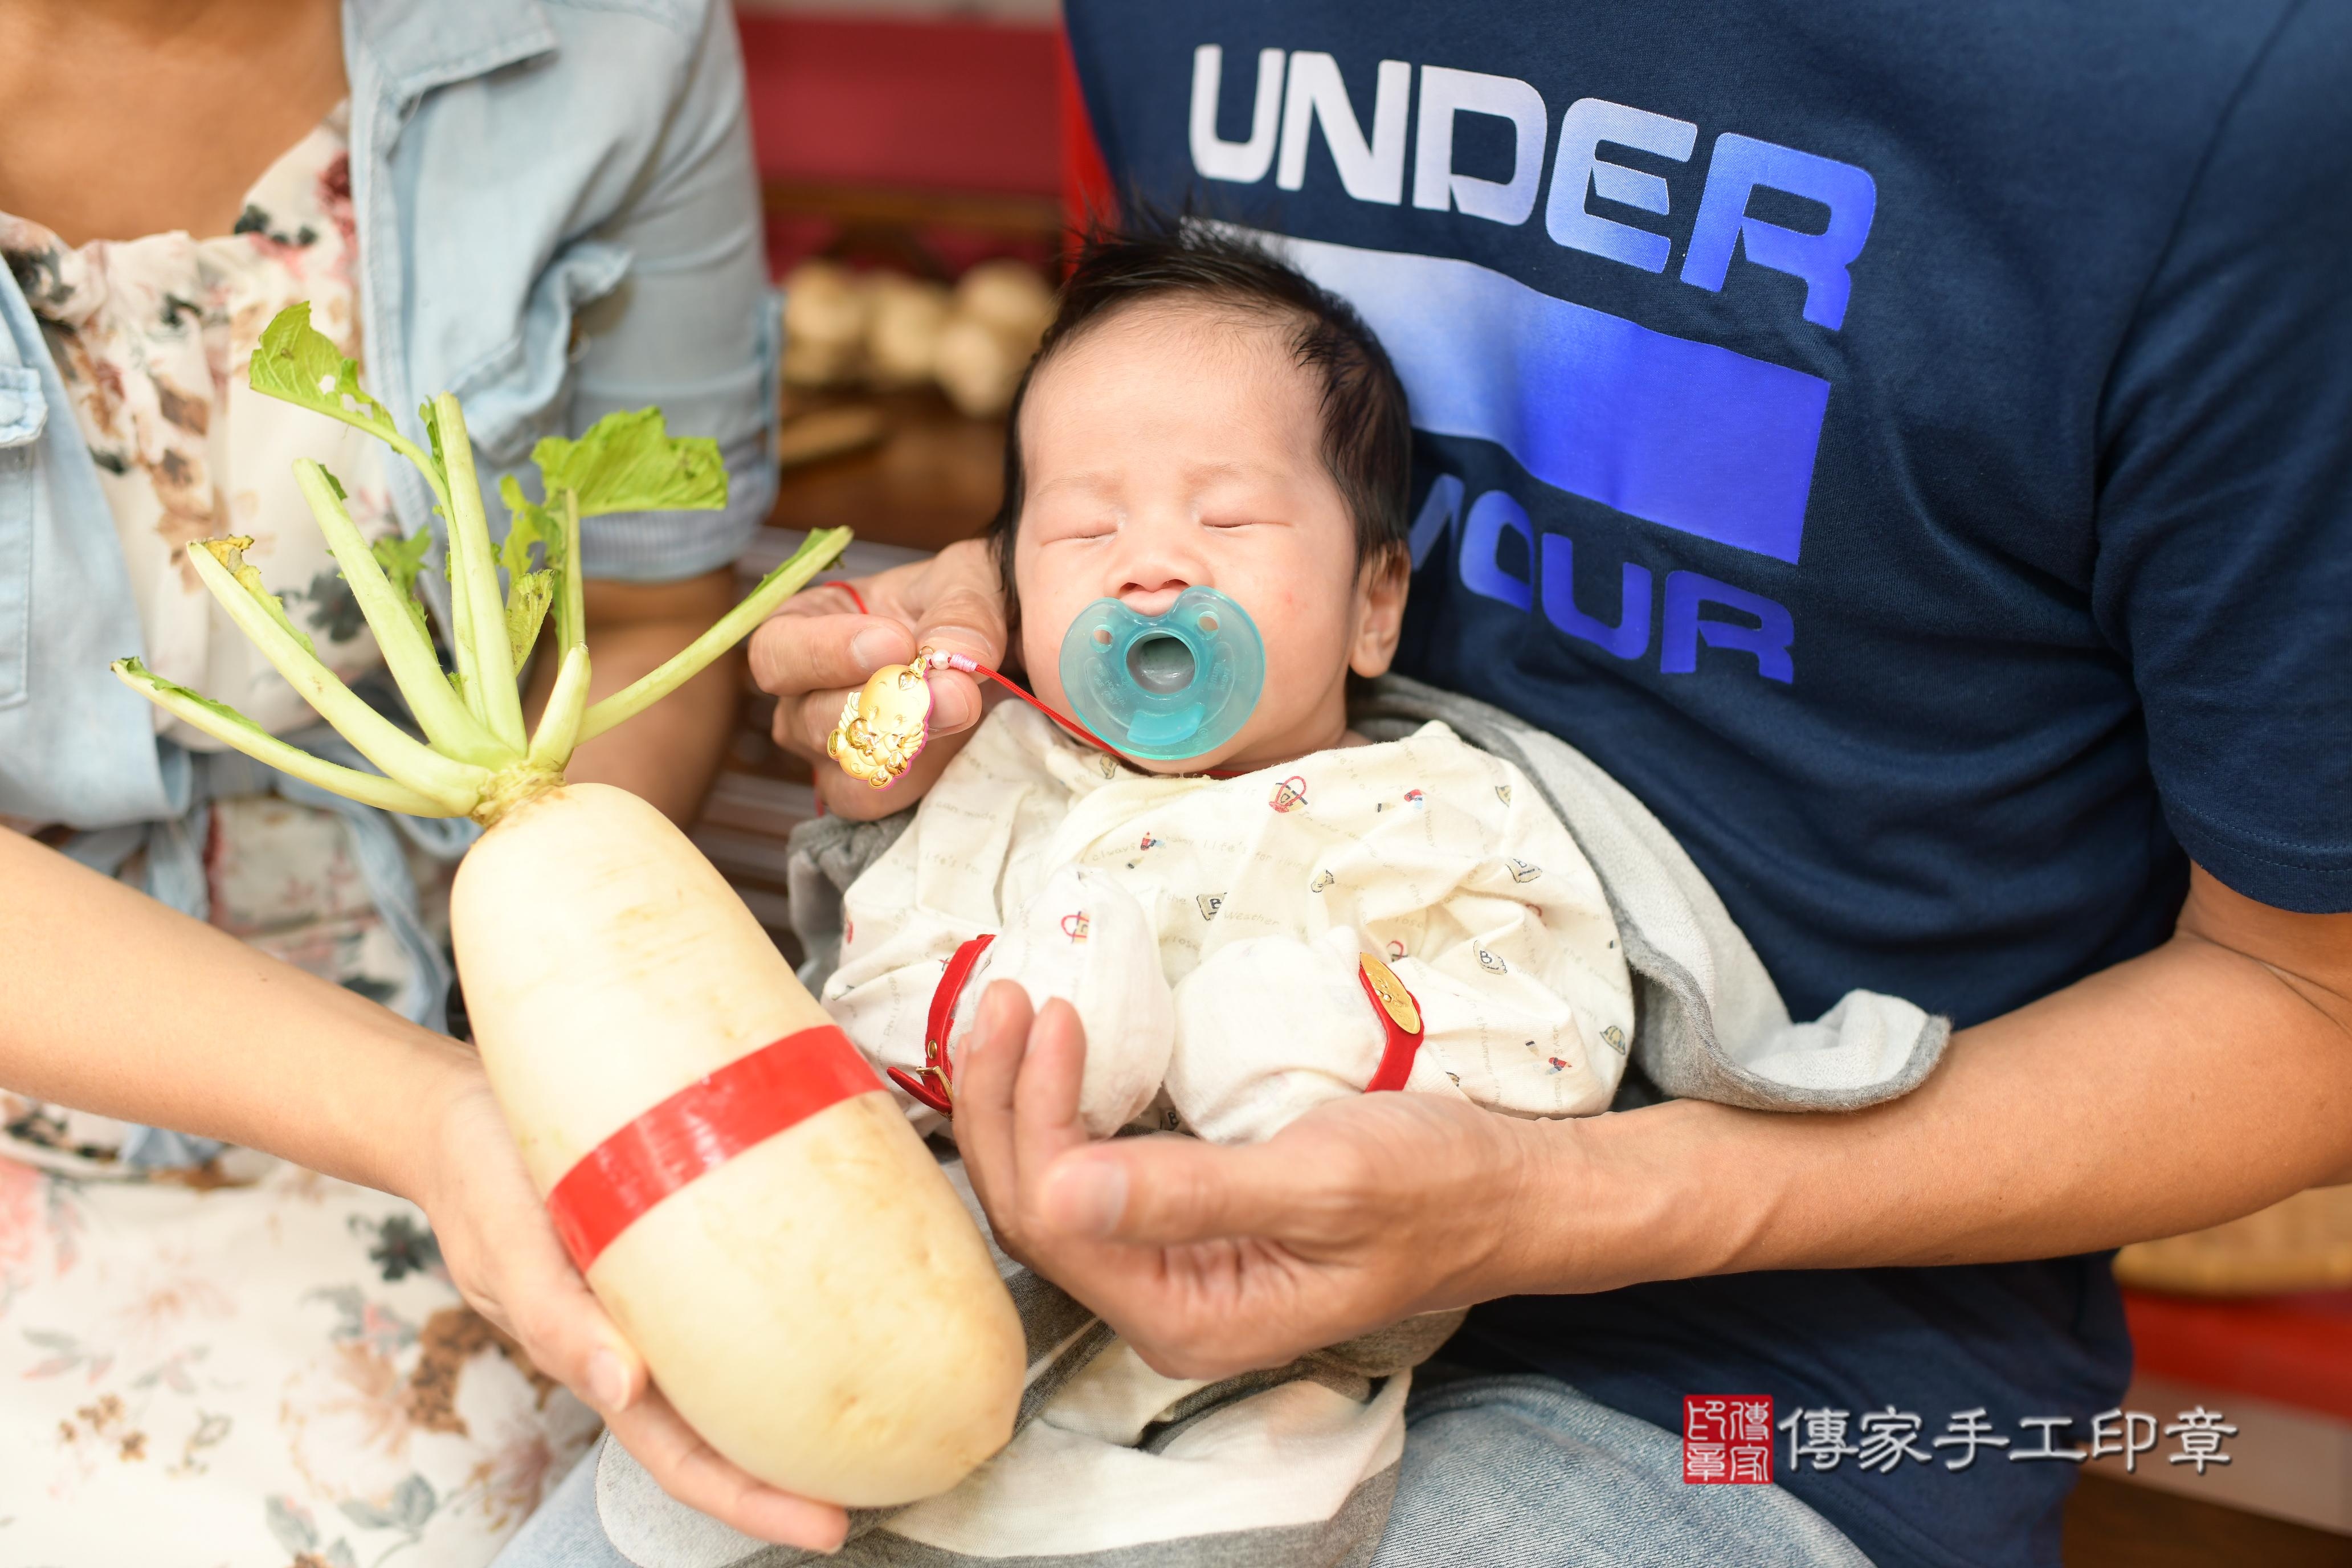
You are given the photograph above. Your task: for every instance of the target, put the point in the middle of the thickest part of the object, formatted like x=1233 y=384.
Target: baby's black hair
x=1367 y=436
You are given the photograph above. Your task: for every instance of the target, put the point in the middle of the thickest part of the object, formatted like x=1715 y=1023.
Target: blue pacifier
x=1169 y=686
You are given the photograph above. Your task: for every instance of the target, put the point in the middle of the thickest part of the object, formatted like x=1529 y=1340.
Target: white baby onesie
x=1207 y=931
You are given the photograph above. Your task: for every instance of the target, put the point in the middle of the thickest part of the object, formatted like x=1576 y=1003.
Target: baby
x=1252 y=908
x=1284 y=914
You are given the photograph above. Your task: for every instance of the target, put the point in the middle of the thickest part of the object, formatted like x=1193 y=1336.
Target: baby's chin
x=1248 y=753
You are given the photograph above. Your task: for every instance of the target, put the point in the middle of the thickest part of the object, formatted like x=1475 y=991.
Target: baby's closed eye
x=1071 y=529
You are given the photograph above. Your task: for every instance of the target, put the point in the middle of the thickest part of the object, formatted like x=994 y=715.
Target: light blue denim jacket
x=558 y=216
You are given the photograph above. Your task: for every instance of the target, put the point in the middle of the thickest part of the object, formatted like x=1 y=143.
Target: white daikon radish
x=743 y=1195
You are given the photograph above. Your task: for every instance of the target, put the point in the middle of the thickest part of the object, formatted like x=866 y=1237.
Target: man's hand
x=817 y=651
x=504 y=1257
x=1212 y=1260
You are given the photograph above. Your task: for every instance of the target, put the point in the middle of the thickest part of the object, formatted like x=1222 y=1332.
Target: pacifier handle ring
x=932 y=658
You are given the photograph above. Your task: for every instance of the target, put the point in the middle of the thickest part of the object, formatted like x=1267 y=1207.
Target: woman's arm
x=689 y=330
x=669 y=752
x=114 y=1004
x=2196 y=1083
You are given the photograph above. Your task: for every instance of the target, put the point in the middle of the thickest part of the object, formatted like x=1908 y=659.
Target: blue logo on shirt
x=1688 y=436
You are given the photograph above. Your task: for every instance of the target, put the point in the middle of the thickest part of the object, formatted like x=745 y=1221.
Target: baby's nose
x=1151 y=598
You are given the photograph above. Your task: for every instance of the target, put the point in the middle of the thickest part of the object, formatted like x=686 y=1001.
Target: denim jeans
x=1519 y=1472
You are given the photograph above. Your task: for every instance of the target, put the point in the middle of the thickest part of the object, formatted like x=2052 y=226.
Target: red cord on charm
x=885 y=725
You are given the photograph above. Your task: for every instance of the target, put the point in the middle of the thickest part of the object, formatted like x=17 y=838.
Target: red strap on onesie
x=1399 y=1013
x=935 y=1087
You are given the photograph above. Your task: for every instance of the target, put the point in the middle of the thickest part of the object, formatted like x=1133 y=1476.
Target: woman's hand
x=1212 y=1260
x=816 y=650
x=504 y=1255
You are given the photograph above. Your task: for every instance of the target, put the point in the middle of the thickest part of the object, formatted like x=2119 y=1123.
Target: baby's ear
x=1380 y=587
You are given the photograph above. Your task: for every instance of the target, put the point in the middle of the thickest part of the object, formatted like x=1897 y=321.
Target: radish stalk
x=219 y=563
x=398 y=621
x=811 y=1296
x=642 y=693
x=559 y=727
x=475 y=759
x=571 y=613
x=489 y=672
x=225 y=724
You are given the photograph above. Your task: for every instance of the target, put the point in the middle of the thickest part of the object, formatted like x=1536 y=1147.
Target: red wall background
x=941 y=105
x=955 y=130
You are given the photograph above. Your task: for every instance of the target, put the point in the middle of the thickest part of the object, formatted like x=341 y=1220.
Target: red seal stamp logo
x=1727 y=1440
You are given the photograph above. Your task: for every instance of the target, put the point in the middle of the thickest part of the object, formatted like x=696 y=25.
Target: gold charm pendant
x=883 y=725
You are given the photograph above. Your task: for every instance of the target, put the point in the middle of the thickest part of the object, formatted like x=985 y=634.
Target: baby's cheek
x=1304 y=631
x=1041 y=654
x=1045 y=616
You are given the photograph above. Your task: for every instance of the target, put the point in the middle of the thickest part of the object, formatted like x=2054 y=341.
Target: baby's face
x=1178 y=445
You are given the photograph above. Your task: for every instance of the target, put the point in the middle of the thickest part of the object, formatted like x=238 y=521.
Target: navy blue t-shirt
x=1910 y=446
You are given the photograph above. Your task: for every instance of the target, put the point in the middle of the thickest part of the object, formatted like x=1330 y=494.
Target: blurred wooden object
x=2303 y=1244
x=823 y=433
x=923 y=244
x=2110 y=1524
x=927 y=477
x=1019 y=218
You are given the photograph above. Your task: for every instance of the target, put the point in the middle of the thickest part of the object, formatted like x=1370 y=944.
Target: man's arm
x=2194 y=1084
x=2191 y=1085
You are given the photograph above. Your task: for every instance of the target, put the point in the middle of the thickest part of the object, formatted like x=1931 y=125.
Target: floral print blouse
x=242 y=1363
x=152 y=336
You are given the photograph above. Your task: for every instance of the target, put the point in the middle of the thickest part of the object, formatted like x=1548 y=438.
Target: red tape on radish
x=699 y=1128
